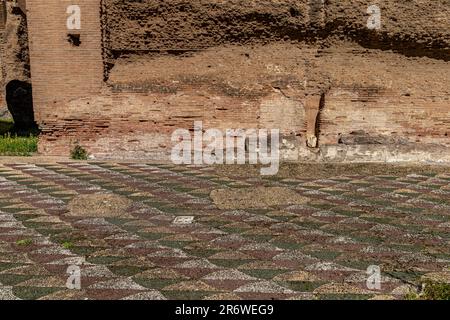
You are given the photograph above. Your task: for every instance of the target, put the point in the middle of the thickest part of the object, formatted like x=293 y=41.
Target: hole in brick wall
x=19 y=98
x=294 y=12
x=74 y=39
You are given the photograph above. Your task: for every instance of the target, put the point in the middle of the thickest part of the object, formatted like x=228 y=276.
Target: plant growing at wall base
x=14 y=145
x=78 y=153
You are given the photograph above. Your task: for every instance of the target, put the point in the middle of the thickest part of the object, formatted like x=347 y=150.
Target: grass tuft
x=67 y=245
x=24 y=242
x=14 y=145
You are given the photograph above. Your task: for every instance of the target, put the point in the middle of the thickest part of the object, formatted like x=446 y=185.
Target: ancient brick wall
x=60 y=70
x=337 y=90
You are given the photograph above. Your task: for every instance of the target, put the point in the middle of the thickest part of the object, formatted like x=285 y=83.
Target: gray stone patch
x=259 y=246
x=69 y=261
x=294 y=255
x=230 y=239
x=361 y=277
x=7 y=294
x=123 y=236
x=173 y=253
x=230 y=274
x=328 y=266
x=326 y=213
x=149 y=295
x=183 y=220
x=97 y=271
x=285 y=226
x=342 y=240
x=53 y=250
x=197 y=264
x=144 y=245
x=118 y=284
x=264 y=287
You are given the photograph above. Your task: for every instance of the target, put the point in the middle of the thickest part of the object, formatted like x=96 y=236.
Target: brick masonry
x=366 y=103
x=61 y=71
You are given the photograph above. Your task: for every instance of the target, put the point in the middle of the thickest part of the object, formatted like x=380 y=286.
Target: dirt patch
x=99 y=205
x=327 y=170
x=254 y=198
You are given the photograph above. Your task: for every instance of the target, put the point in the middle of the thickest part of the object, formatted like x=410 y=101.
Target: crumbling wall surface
x=15 y=62
x=375 y=99
x=413 y=27
x=15 y=57
x=410 y=27
x=197 y=24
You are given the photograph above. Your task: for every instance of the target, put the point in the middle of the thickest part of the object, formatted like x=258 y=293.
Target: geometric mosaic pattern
x=320 y=250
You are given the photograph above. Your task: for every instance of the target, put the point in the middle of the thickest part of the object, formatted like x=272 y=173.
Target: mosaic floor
x=319 y=250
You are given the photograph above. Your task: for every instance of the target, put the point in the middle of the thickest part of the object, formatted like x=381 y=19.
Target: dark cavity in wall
x=74 y=39
x=19 y=98
x=320 y=116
